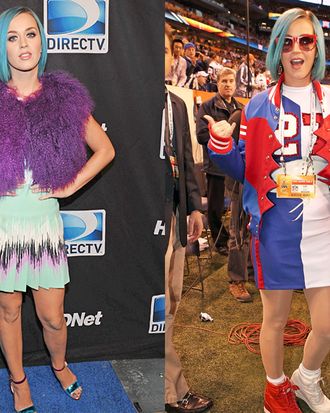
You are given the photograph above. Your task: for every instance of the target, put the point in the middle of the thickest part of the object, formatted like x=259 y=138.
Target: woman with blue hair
x=45 y=122
x=283 y=159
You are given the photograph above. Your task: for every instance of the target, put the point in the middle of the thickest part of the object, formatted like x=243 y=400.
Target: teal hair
x=279 y=32
x=5 y=18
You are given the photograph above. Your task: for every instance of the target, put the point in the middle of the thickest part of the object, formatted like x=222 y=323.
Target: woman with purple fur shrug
x=45 y=122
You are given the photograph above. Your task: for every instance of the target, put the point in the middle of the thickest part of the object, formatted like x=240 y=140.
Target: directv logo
x=84 y=232
x=157 y=315
x=77 y=26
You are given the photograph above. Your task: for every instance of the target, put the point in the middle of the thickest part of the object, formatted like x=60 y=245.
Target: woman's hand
x=221 y=129
x=58 y=193
x=221 y=140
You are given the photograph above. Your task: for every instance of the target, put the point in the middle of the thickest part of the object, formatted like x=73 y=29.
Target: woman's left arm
x=104 y=152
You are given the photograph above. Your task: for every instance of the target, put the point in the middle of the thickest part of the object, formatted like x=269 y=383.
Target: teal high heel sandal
x=30 y=409
x=70 y=390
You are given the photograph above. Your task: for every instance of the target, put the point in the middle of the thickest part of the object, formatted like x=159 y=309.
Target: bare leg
x=11 y=345
x=175 y=383
x=317 y=345
x=276 y=308
x=50 y=310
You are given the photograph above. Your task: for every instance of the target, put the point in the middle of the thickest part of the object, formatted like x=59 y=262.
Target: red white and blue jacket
x=251 y=161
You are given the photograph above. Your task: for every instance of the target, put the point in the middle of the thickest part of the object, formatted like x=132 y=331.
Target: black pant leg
x=215 y=200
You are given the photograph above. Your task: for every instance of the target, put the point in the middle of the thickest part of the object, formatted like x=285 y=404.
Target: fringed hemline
x=34 y=242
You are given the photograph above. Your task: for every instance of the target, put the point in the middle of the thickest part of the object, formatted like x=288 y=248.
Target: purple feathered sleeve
x=45 y=132
x=76 y=96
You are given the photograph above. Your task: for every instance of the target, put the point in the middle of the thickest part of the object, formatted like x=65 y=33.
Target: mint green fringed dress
x=32 y=250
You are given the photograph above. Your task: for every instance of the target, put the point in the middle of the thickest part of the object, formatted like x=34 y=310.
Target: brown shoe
x=191 y=403
x=238 y=290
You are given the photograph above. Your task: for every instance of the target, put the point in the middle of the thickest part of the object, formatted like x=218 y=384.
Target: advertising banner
x=116 y=258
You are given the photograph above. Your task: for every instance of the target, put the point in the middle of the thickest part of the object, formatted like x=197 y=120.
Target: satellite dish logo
x=77 y=26
x=84 y=232
x=157 y=314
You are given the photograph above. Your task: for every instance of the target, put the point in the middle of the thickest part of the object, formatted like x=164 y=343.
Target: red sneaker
x=281 y=399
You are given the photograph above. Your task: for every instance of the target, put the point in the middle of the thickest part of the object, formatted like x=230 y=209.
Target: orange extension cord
x=295 y=334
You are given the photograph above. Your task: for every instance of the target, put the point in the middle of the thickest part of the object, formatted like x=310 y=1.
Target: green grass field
x=231 y=375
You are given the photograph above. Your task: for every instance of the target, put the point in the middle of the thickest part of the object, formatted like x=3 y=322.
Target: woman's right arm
x=223 y=150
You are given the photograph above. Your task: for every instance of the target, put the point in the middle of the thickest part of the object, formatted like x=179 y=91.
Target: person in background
x=226 y=62
x=190 y=57
x=200 y=81
x=182 y=199
x=220 y=107
x=239 y=266
x=201 y=64
x=244 y=73
x=214 y=68
x=260 y=82
x=177 y=76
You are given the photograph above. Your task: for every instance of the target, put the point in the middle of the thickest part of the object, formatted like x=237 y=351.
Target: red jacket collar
x=277 y=95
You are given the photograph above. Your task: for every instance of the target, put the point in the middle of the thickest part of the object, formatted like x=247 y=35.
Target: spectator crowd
x=211 y=53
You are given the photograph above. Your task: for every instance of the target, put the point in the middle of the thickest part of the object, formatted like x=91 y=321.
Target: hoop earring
x=280 y=69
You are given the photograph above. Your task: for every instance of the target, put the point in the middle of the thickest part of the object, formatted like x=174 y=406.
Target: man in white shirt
x=177 y=75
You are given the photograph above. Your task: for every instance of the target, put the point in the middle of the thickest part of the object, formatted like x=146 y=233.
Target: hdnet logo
x=157 y=314
x=84 y=232
x=77 y=26
x=83 y=320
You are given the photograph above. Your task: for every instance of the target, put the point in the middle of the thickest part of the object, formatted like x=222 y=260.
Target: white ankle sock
x=309 y=373
x=277 y=381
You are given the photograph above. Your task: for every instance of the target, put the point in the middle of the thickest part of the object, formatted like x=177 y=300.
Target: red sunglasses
x=306 y=42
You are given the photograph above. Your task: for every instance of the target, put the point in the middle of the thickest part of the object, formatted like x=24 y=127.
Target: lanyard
x=307 y=159
x=177 y=64
x=170 y=118
x=167 y=117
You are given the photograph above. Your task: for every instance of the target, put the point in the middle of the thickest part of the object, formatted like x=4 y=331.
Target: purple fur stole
x=44 y=133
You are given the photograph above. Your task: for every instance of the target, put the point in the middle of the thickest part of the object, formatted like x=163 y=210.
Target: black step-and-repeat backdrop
x=114 y=305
